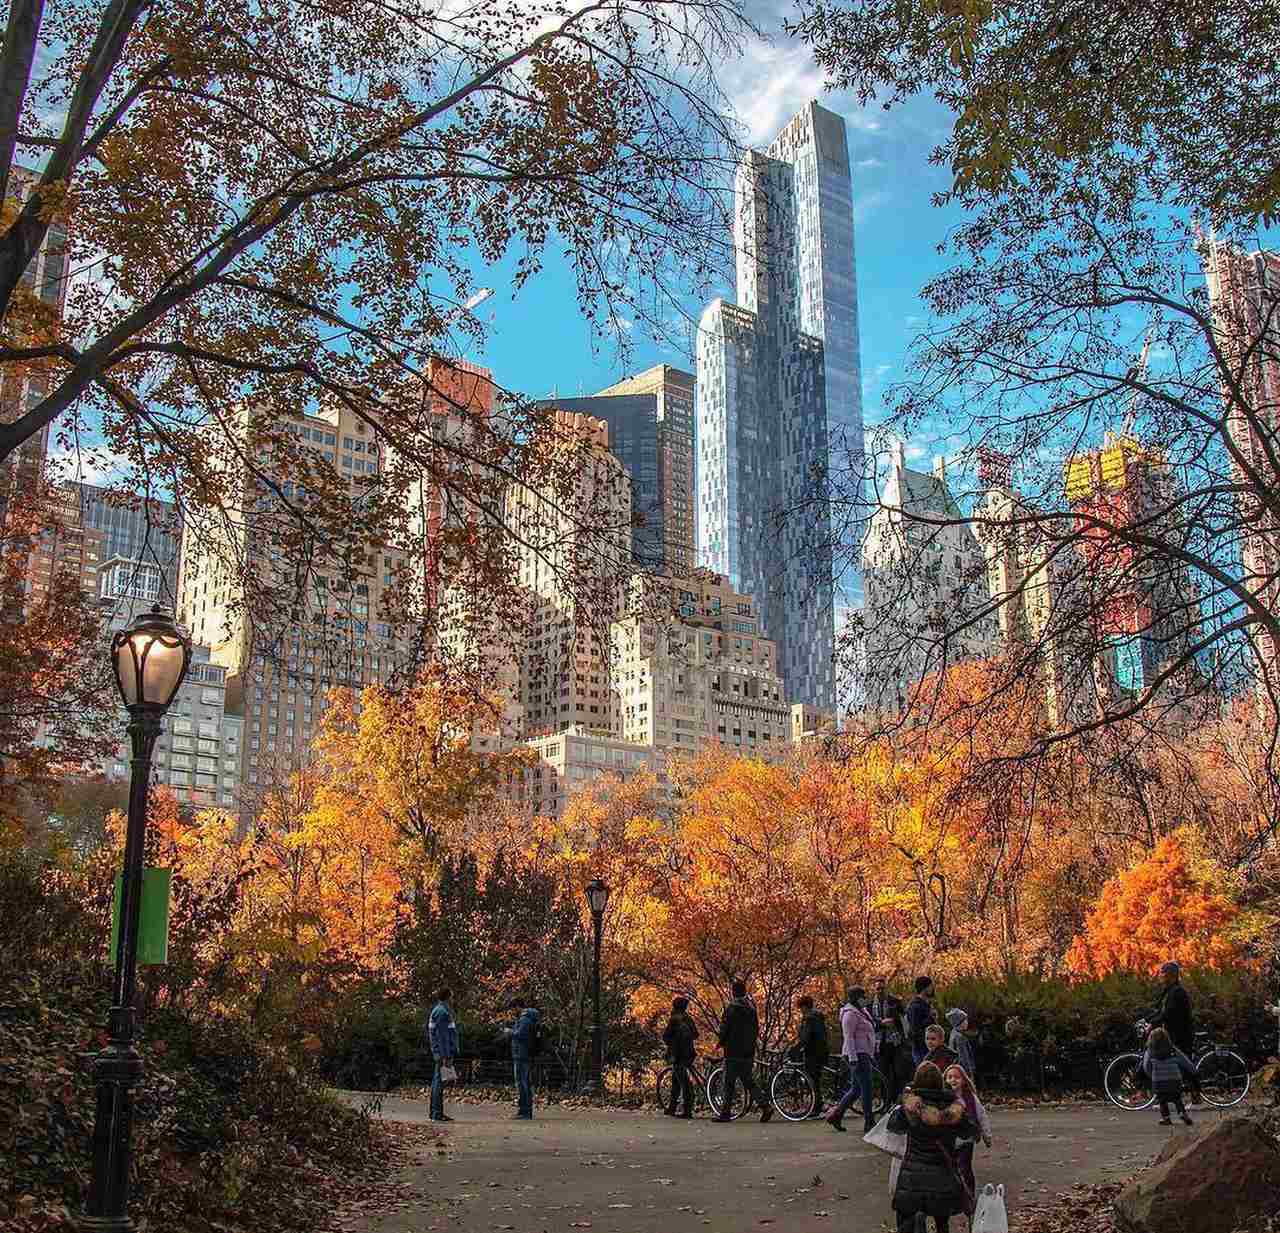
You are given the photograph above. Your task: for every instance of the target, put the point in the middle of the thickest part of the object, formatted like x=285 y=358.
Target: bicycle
x=1222 y=1073
x=707 y=1086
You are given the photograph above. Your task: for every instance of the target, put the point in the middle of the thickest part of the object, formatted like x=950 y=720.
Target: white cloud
x=865 y=164
x=87 y=465
x=866 y=203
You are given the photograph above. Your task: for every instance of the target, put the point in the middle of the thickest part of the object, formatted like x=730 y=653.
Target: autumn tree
x=270 y=209
x=1037 y=90
x=1160 y=908
x=406 y=765
x=58 y=713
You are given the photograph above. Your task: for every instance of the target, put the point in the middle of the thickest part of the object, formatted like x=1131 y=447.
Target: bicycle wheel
x=1224 y=1077
x=664 y=1089
x=792 y=1093
x=715 y=1095
x=1126 y=1083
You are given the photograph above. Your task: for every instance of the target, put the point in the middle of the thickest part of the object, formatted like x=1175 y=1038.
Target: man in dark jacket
x=739 y=1032
x=813 y=1047
x=919 y=1016
x=679 y=1037
x=886 y=1012
x=524 y=1048
x=1174 y=1015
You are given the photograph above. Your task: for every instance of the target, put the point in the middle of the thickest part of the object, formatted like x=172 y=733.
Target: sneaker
x=1186 y=1120
x=836 y=1124
x=1164 y=1121
x=720 y=1118
x=766 y=1113
x=444 y=1117
x=523 y=1117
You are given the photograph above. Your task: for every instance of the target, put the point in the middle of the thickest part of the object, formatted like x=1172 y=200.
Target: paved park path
x=616 y=1171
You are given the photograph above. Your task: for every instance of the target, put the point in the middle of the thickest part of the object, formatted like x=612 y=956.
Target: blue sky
x=539 y=342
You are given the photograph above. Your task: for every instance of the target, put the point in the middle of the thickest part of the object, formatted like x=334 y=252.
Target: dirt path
x=625 y=1172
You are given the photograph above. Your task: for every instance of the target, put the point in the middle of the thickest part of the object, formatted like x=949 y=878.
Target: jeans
x=524 y=1086
x=741 y=1070
x=681 y=1088
x=964 y=1166
x=1171 y=1098
x=907 y=1223
x=859 y=1085
x=437 y=1089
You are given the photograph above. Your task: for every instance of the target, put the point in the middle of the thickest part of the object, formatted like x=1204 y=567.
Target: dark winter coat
x=812 y=1040
x=1174 y=1015
x=739 y=1030
x=679 y=1037
x=932 y=1122
x=919 y=1017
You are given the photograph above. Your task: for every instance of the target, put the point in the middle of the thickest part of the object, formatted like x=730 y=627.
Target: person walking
x=859 y=1044
x=679 y=1037
x=959 y=1044
x=526 y=1044
x=886 y=1012
x=919 y=1016
x=961 y=1084
x=1174 y=1014
x=813 y=1047
x=929 y=1182
x=1165 y=1065
x=442 y=1036
x=739 y=1034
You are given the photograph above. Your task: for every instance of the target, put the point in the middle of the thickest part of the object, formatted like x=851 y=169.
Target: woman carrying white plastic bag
x=990 y=1216
x=882 y=1138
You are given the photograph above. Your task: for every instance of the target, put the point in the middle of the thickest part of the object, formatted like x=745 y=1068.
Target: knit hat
x=956 y=1017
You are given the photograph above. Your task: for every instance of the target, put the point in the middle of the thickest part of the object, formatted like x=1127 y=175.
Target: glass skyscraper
x=779 y=394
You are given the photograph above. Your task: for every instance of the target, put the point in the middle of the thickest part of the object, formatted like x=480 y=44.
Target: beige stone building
x=692 y=669
x=572 y=553
x=569 y=760
x=287 y=625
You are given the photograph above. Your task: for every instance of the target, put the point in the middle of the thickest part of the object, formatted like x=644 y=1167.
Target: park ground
x=616 y=1171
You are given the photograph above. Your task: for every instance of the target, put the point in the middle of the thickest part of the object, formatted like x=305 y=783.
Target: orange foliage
x=1158 y=909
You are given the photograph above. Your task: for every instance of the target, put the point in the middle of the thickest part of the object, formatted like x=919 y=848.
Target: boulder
x=1205 y=1183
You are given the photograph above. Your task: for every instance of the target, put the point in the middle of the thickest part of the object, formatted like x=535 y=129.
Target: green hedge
x=1032 y=1032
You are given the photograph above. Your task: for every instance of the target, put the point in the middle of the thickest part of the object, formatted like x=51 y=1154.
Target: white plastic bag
x=882 y=1137
x=448 y=1073
x=990 y=1216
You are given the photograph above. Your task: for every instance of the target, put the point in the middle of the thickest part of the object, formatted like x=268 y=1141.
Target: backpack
x=537 y=1041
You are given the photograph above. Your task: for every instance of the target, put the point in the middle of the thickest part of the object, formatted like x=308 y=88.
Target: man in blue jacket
x=525 y=1040
x=442 y=1035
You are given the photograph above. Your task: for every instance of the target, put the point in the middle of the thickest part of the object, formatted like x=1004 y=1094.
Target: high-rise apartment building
x=573 y=555
x=1143 y=604
x=135 y=531
x=198 y=755
x=1028 y=578
x=926 y=586
x=1244 y=290
x=569 y=760
x=46 y=279
x=778 y=390
x=691 y=668
x=289 y=624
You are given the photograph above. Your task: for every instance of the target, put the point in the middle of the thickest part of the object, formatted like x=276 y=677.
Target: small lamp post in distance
x=597 y=899
x=150 y=657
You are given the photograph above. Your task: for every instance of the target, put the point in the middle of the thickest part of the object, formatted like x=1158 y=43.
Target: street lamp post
x=150 y=657
x=598 y=899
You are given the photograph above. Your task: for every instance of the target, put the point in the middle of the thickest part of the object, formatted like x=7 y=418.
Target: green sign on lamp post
x=153 y=918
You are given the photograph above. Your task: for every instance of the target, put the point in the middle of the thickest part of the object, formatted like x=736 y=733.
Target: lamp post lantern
x=150 y=657
x=597 y=899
